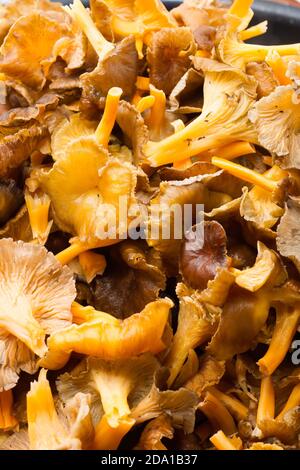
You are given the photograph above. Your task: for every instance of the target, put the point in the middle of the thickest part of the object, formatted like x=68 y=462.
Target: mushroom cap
x=22 y=59
x=200 y=257
x=36 y=296
x=86 y=188
x=169 y=55
x=277 y=121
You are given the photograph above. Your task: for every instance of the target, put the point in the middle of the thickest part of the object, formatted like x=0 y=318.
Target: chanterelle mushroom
x=36 y=295
x=277 y=120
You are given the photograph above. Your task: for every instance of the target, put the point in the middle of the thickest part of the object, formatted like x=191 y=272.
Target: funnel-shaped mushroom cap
x=36 y=296
x=85 y=189
x=33 y=44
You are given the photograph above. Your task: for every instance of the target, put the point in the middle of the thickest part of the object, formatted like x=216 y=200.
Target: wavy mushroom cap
x=202 y=257
x=33 y=44
x=169 y=56
x=86 y=187
x=277 y=121
x=138 y=16
x=36 y=294
x=69 y=429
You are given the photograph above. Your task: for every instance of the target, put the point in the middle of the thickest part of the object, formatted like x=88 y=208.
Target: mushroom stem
x=245 y=174
x=81 y=16
x=185 y=163
x=235 y=406
x=105 y=127
x=139 y=44
x=284 y=332
x=293 y=402
x=158 y=109
x=76 y=248
x=274 y=60
x=143 y=83
x=266 y=404
x=65 y=256
x=145 y=103
x=254 y=31
x=217 y=414
x=108 y=437
x=221 y=441
x=92 y=264
x=231 y=151
x=240 y=8
x=41 y=413
x=178 y=125
x=202 y=148
x=166 y=148
x=7 y=419
x=38 y=211
x=257 y=53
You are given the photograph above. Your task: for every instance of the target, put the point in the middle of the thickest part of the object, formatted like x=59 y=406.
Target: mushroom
x=259 y=207
x=267 y=270
x=228 y=96
x=186 y=96
x=18 y=228
x=195 y=327
x=168 y=56
x=287 y=321
x=118 y=68
x=110 y=385
x=13 y=10
x=11 y=199
x=238 y=54
x=163 y=232
x=257 y=204
x=71 y=428
x=17 y=147
x=102 y=18
x=92 y=264
x=265 y=77
x=288 y=234
x=119 y=391
x=202 y=256
x=279 y=111
x=8 y=421
x=36 y=296
x=179 y=404
x=138 y=269
x=138 y=19
x=21 y=59
x=203 y=18
x=243 y=316
x=38 y=209
x=135 y=132
x=156 y=430
x=89 y=207
x=110 y=339
x=210 y=373
x=286 y=425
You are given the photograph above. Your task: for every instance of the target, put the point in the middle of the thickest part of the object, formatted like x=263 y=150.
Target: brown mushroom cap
x=201 y=259
x=288 y=233
x=169 y=56
x=11 y=199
